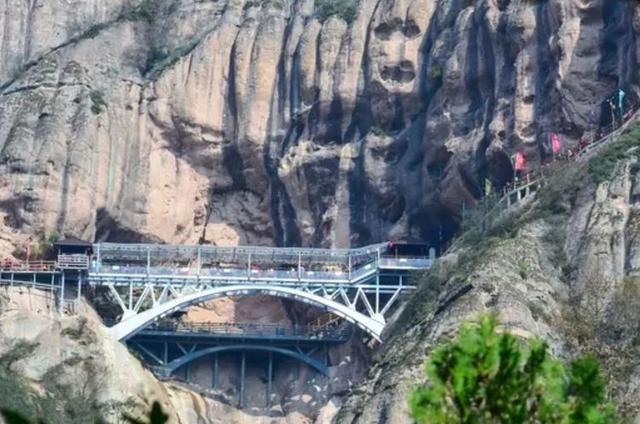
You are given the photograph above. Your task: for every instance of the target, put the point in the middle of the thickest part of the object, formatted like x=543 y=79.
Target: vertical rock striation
x=255 y=122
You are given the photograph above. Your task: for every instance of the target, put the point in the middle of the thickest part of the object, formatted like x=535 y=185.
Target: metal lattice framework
x=142 y=308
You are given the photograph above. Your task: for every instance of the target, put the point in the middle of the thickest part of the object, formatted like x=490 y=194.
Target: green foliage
x=145 y=12
x=488 y=377
x=160 y=58
x=150 y=11
x=378 y=131
x=602 y=166
x=45 y=247
x=155 y=416
x=435 y=74
x=97 y=102
x=344 y=9
x=523 y=269
x=95 y=30
x=20 y=350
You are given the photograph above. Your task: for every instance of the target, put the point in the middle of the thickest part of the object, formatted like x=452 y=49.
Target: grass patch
x=602 y=166
x=346 y=10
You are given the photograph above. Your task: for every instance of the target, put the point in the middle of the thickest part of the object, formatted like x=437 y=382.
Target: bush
x=97 y=102
x=155 y=416
x=378 y=131
x=602 y=166
x=347 y=10
x=486 y=377
x=145 y=12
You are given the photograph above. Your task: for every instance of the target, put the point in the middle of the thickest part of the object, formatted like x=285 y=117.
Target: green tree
x=488 y=377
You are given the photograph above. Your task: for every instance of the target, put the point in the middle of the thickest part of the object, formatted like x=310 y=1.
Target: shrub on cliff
x=155 y=416
x=345 y=9
x=602 y=165
x=486 y=377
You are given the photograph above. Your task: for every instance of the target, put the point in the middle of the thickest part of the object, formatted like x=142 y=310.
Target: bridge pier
x=269 y=379
x=214 y=378
x=61 y=298
x=243 y=360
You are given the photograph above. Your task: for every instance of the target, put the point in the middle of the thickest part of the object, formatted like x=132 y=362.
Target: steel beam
x=269 y=379
x=242 y=370
x=214 y=382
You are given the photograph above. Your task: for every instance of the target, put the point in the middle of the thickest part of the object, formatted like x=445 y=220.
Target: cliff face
x=66 y=369
x=254 y=122
x=563 y=268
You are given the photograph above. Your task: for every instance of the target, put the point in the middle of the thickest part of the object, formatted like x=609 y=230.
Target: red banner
x=520 y=162
x=556 y=145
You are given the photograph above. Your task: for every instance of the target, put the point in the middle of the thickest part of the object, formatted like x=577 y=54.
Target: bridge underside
x=170 y=354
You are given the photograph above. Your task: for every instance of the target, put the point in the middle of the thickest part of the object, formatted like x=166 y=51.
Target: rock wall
x=67 y=369
x=255 y=122
x=563 y=269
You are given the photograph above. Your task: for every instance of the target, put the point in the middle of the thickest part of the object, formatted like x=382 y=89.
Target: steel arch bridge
x=358 y=285
x=149 y=281
x=372 y=322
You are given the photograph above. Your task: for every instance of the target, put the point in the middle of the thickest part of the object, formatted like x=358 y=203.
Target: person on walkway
x=621 y=96
x=612 y=106
x=556 y=145
x=583 y=144
x=519 y=165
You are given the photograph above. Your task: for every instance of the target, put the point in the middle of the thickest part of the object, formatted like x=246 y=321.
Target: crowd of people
x=523 y=175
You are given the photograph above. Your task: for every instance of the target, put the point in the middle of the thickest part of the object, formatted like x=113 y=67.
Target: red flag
x=556 y=145
x=520 y=162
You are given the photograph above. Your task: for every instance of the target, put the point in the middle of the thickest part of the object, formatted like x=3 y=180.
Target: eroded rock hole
x=402 y=72
x=411 y=30
x=438 y=163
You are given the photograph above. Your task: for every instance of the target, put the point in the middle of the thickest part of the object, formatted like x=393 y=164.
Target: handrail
x=611 y=133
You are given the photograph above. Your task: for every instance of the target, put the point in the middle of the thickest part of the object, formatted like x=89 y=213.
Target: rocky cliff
x=280 y=122
x=67 y=369
x=562 y=268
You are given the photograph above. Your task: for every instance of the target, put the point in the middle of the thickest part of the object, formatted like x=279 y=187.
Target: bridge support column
x=11 y=280
x=269 y=379
x=34 y=280
x=242 y=367
x=214 y=380
x=188 y=372
x=79 y=289
x=53 y=293
x=61 y=300
x=325 y=354
x=378 y=291
x=165 y=353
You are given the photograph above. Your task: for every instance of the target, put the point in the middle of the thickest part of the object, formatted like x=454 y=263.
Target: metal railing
x=317 y=274
x=523 y=189
x=27 y=266
x=253 y=330
x=74 y=261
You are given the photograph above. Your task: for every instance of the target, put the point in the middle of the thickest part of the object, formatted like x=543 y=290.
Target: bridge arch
x=183 y=360
x=130 y=326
